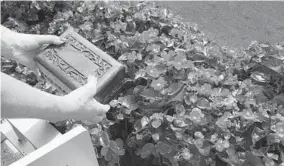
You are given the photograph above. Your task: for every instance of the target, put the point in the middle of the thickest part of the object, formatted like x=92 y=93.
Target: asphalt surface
x=234 y=24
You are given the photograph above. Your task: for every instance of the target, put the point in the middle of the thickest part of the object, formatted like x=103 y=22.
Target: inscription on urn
x=69 y=65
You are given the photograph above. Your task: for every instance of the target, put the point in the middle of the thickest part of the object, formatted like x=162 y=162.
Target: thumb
x=49 y=39
x=87 y=91
x=90 y=89
x=101 y=108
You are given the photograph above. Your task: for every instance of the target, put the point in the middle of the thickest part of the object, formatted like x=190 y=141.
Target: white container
x=42 y=145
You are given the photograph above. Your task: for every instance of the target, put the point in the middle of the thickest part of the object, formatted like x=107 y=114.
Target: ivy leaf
x=142 y=123
x=165 y=27
x=158 y=84
x=144 y=36
x=104 y=139
x=174 y=88
x=233 y=157
x=259 y=77
x=186 y=154
x=130 y=56
x=190 y=98
x=230 y=101
x=169 y=118
x=180 y=110
x=153 y=48
x=111 y=153
x=108 y=155
x=223 y=122
x=167 y=57
x=123 y=57
x=257 y=134
x=150 y=94
x=163 y=148
x=153 y=32
x=253 y=160
x=203 y=103
x=87 y=26
x=180 y=60
x=156 y=60
x=156 y=123
x=279 y=129
x=192 y=78
x=224 y=92
x=273 y=63
x=119 y=143
x=147 y=150
x=249 y=115
x=104 y=151
x=155 y=71
x=157 y=116
x=156 y=136
x=196 y=116
x=205 y=89
x=140 y=73
x=119 y=116
x=179 y=123
x=221 y=145
x=121 y=152
x=113 y=146
x=179 y=96
x=129 y=102
x=94 y=131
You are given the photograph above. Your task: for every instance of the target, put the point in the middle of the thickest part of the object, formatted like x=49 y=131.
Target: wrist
x=56 y=109
x=63 y=108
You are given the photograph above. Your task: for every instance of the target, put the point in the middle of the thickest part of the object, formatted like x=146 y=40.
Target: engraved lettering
x=76 y=75
x=65 y=67
x=100 y=71
x=106 y=66
x=96 y=59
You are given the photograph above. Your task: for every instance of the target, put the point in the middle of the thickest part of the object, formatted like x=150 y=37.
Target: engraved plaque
x=69 y=65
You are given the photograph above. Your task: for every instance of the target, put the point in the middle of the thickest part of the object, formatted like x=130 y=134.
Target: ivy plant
x=187 y=100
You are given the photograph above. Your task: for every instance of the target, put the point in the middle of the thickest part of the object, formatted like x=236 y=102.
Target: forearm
x=19 y=100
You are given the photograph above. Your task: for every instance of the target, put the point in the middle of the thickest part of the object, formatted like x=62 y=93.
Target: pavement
x=234 y=23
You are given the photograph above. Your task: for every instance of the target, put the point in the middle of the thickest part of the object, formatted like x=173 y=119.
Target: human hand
x=80 y=104
x=26 y=46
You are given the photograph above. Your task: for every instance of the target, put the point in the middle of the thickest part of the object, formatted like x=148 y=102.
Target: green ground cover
x=186 y=101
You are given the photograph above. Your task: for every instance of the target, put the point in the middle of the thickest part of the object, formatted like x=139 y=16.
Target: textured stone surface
x=69 y=65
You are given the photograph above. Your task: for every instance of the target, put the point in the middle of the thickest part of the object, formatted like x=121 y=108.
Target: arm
x=19 y=100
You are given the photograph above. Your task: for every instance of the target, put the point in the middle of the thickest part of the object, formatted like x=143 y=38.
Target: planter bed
x=186 y=99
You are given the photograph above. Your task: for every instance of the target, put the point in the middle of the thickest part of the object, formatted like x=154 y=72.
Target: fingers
x=100 y=108
x=49 y=39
